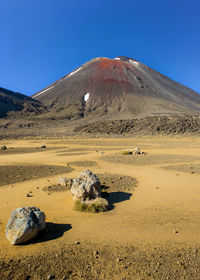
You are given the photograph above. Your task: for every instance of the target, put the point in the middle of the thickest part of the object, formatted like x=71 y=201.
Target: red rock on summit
x=119 y=88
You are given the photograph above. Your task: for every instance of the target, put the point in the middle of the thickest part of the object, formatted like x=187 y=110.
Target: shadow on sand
x=51 y=232
x=116 y=197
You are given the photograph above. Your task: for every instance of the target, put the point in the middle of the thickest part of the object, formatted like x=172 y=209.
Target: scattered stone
x=95 y=253
x=157 y=188
x=43 y=147
x=63 y=181
x=137 y=151
x=77 y=242
x=3 y=148
x=86 y=186
x=24 y=224
x=118 y=259
x=175 y=231
x=50 y=277
x=29 y=195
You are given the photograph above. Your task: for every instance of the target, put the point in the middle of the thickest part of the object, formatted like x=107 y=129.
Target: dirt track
x=152 y=232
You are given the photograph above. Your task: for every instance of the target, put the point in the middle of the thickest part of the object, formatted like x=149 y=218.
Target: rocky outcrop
x=24 y=224
x=86 y=186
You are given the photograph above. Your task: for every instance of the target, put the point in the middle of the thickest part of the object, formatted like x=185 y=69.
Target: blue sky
x=43 y=40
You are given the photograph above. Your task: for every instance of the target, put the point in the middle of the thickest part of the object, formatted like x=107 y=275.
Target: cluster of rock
x=25 y=223
x=86 y=186
x=86 y=190
x=135 y=151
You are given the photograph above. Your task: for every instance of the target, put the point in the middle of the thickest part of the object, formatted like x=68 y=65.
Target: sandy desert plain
x=152 y=230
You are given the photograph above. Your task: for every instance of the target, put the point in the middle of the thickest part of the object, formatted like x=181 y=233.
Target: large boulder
x=86 y=186
x=24 y=224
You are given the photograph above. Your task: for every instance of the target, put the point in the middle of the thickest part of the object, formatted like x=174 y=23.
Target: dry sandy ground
x=151 y=233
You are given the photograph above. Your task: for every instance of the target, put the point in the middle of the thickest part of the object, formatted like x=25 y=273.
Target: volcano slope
x=17 y=104
x=120 y=88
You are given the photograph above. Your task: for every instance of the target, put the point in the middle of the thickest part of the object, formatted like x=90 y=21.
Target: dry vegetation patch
x=94 y=206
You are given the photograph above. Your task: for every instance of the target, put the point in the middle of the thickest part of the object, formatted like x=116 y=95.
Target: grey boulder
x=86 y=186
x=24 y=224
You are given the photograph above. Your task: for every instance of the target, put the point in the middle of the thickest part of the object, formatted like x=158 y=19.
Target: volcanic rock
x=86 y=186
x=24 y=224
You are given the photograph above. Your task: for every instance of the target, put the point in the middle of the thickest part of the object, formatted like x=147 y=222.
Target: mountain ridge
x=18 y=104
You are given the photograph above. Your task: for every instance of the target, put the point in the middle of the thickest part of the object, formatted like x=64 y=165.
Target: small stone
x=118 y=259
x=95 y=253
x=43 y=147
x=50 y=277
x=28 y=195
x=77 y=242
x=175 y=231
x=3 y=148
x=157 y=188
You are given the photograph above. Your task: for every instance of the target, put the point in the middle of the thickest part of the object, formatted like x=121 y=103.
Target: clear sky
x=43 y=40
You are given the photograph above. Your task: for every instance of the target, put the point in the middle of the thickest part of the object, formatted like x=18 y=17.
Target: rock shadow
x=116 y=197
x=51 y=232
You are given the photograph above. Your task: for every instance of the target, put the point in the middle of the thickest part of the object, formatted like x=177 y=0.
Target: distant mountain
x=119 y=88
x=18 y=104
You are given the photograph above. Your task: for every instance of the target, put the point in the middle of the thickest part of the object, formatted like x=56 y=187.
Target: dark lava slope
x=119 y=88
x=17 y=104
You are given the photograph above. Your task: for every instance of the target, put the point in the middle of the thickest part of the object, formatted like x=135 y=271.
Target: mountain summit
x=118 y=88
